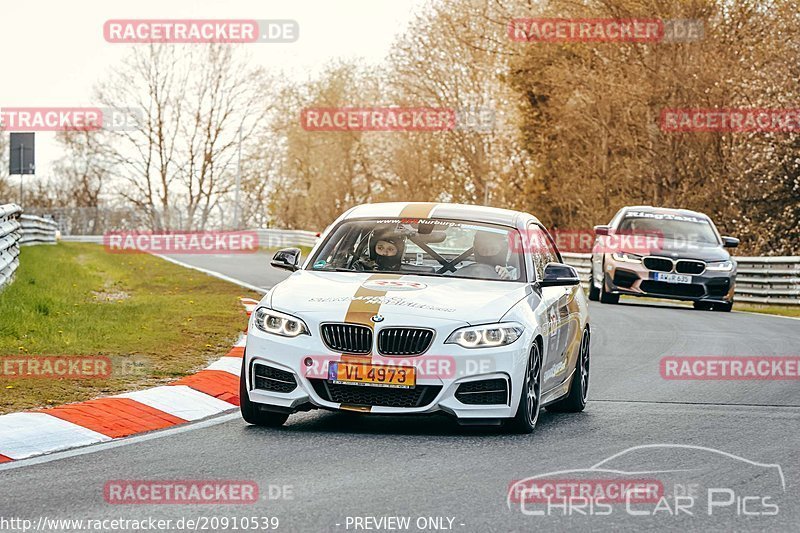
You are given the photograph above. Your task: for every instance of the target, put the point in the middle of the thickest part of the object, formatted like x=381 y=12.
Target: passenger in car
x=492 y=249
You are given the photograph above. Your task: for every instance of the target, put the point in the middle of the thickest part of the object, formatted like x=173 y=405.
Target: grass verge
x=154 y=320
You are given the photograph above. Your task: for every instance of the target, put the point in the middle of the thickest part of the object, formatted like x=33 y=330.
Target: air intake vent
x=419 y=396
x=404 y=341
x=347 y=338
x=484 y=392
x=273 y=379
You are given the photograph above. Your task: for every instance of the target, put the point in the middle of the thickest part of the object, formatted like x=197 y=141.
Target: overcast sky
x=53 y=51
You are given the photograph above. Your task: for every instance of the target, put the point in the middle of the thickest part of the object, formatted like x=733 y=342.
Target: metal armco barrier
x=9 y=242
x=37 y=230
x=763 y=280
x=281 y=238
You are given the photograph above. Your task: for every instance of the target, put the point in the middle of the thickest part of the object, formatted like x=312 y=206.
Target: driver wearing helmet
x=385 y=252
x=492 y=249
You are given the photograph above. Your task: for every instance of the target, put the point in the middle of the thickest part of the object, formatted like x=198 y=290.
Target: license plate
x=673 y=278
x=401 y=377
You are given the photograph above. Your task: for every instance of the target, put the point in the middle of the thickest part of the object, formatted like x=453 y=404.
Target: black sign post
x=22 y=158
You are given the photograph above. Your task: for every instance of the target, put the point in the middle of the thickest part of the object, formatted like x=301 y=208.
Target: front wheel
x=575 y=401
x=594 y=292
x=250 y=412
x=607 y=297
x=530 y=395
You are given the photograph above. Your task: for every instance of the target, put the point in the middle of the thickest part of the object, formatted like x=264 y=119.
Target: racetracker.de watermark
x=605 y=30
x=204 y=242
x=731 y=120
x=182 y=492
x=586 y=241
x=426 y=367
x=200 y=31
x=34 y=119
x=716 y=368
x=396 y=119
x=55 y=367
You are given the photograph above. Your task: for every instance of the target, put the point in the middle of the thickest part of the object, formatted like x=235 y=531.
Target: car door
x=552 y=299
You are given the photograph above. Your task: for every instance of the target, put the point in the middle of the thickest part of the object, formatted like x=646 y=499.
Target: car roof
x=664 y=211
x=474 y=213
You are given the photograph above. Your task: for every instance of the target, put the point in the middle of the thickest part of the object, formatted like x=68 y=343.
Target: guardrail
x=281 y=238
x=37 y=230
x=9 y=242
x=763 y=280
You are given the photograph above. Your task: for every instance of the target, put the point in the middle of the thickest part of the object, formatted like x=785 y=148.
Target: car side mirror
x=287 y=259
x=559 y=275
x=601 y=230
x=730 y=242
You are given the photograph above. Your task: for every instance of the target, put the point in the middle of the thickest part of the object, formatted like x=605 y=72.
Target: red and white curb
x=209 y=392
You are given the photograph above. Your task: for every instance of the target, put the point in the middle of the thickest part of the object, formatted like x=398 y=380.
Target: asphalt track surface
x=347 y=465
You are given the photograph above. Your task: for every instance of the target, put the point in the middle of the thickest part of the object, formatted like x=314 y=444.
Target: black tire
x=701 y=306
x=251 y=413
x=575 y=401
x=607 y=297
x=594 y=292
x=723 y=307
x=530 y=397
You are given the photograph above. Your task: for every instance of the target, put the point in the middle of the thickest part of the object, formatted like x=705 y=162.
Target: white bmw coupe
x=416 y=308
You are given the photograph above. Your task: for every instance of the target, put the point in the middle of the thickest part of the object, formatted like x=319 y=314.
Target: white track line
x=215 y=274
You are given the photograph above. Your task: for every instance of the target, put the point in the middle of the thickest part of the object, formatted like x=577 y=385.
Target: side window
x=542 y=249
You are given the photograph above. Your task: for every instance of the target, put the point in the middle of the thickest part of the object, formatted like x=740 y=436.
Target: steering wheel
x=479 y=270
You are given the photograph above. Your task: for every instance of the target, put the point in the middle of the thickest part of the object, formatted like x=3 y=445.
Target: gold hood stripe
x=418 y=210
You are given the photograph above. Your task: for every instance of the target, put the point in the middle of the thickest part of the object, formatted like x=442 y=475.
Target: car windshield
x=673 y=227
x=427 y=247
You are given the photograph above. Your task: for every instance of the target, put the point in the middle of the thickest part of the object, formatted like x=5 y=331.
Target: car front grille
x=658 y=264
x=404 y=341
x=686 y=266
x=358 y=395
x=273 y=379
x=347 y=338
x=484 y=392
x=672 y=289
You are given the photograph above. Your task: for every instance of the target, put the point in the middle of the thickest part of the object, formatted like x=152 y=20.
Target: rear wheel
x=530 y=395
x=575 y=401
x=251 y=412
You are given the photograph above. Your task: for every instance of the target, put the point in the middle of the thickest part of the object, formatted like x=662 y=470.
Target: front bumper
x=440 y=371
x=637 y=280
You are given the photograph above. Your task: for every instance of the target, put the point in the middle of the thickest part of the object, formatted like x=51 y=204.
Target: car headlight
x=277 y=323
x=625 y=257
x=488 y=336
x=720 y=266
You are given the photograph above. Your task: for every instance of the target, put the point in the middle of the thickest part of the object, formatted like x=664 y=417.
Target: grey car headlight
x=270 y=321
x=486 y=336
x=720 y=266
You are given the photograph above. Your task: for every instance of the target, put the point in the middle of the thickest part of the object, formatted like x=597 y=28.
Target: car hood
x=692 y=250
x=331 y=293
